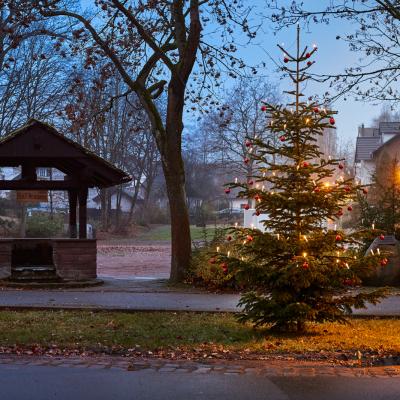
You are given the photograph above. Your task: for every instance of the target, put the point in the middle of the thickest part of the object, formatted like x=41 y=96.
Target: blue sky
x=332 y=57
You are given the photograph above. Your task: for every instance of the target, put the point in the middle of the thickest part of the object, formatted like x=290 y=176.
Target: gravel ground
x=133 y=260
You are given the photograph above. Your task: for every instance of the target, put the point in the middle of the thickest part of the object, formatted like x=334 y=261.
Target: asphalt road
x=119 y=299
x=28 y=382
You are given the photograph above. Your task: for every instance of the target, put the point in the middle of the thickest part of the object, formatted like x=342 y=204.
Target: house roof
x=41 y=145
x=365 y=147
x=388 y=143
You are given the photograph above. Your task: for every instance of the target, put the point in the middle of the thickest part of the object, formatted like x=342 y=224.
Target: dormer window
x=43 y=173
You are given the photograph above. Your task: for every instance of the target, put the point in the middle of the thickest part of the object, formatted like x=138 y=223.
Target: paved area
x=148 y=295
x=133 y=260
x=109 y=378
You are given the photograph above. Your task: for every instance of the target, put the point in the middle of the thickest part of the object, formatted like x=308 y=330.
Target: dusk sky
x=332 y=57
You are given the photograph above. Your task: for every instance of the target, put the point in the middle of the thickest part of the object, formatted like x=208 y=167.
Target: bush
x=41 y=225
x=208 y=268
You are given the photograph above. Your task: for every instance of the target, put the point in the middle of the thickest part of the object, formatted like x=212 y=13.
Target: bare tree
x=154 y=46
x=375 y=38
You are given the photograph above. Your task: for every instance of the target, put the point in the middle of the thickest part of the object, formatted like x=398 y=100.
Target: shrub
x=41 y=225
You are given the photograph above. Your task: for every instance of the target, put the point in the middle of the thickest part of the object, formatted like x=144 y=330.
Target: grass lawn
x=188 y=335
x=163 y=233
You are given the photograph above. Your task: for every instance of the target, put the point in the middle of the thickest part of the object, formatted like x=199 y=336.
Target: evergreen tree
x=298 y=268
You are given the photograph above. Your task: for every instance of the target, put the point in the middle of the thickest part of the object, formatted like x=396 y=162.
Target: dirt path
x=140 y=260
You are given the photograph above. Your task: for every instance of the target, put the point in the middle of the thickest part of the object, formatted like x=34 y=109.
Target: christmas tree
x=301 y=265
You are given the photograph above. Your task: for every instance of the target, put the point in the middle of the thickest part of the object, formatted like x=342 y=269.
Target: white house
x=370 y=142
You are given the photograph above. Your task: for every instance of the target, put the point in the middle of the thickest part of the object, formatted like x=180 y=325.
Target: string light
x=304 y=254
x=217 y=249
x=229 y=253
x=236 y=180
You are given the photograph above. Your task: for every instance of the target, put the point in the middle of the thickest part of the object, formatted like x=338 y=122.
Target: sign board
x=32 y=196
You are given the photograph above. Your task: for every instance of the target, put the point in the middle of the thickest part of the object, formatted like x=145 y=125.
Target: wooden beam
x=73 y=199
x=82 y=196
x=37 y=185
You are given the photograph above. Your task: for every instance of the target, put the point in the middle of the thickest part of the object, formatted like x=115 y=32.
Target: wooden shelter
x=37 y=144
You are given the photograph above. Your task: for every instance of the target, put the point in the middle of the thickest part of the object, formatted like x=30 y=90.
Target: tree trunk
x=174 y=172
x=180 y=229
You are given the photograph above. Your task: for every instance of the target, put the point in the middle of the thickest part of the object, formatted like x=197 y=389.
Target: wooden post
x=83 y=193
x=73 y=199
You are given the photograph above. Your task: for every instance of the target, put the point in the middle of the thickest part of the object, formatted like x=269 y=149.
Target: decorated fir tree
x=301 y=265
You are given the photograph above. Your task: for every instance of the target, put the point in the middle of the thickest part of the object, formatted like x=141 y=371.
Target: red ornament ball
x=317 y=190
x=382 y=237
x=224 y=267
x=249 y=238
x=332 y=121
x=306 y=164
x=339 y=213
x=338 y=238
x=212 y=260
x=347 y=189
x=365 y=191
x=251 y=183
x=246 y=160
x=282 y=138
x=229 y=238
x=227 y=190
x=263 y=108
x=248 y=143
x=316 y=110
x=246 y=207
x=257 y=197
x=350 y=208
x=257 y=213
x=340 y=166
x=308 y=55
x=285 y=60
x=309 y=63
x=306 y=265
x=384 y=261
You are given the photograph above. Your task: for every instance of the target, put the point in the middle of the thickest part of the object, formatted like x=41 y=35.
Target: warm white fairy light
x=217 y=249
x=347 y=266
x=314 y=46
x=335 y=227
x=252 y=226
x=305 y=238
x=304 y=254
x=236 y=224
x=229 y=253
x=378 y=251
x=278 y=236
x=373 y=226
x=236 y=180
x=372 y=252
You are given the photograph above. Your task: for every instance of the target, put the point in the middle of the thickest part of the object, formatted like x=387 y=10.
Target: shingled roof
x=365 y=147
x=41 y=145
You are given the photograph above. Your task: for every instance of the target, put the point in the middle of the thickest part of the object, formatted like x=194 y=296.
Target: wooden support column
x=73 y=200
x=82 y=195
